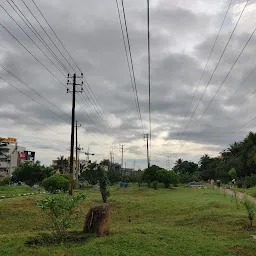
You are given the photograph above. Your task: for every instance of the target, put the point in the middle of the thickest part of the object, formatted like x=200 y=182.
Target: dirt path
x=240 y=195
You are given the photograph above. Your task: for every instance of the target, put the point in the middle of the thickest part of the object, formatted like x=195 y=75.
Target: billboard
x=23 y=156
x=29 y=155
x=9 y=139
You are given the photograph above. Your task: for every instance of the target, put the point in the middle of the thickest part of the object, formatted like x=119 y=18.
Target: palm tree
x=61 y=164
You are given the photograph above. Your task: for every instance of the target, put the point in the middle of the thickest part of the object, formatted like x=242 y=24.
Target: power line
x=133 y=74
x=128 y=62
x=239 y=55
x=32 y=89
x=229 y=99
x=101 y=113
x=149 y=78
x=35 y=32
x=32 y=98
x=216 y=67
x=207 y=62
x=47 y=33
x=93 y=115
x=32 y=54
x=32 y=119
x=57 y=38
x=32 y=40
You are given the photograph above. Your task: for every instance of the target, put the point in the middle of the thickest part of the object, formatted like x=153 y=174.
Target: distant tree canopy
x=237 y=161
x=32 y=173
x=155 y=173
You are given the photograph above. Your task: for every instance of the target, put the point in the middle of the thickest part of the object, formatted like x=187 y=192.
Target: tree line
x=238 y=161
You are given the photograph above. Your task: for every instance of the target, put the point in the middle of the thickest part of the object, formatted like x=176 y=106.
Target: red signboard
x=22 y=155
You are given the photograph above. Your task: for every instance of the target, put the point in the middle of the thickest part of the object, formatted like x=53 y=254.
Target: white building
x=11 y=156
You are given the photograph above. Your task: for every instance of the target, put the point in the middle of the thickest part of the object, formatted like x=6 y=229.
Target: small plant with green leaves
x=103 y=182
x=61 y=211
x=250 y=208
x=155 y=185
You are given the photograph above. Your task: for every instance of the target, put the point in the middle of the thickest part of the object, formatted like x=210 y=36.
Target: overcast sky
x=182 y=35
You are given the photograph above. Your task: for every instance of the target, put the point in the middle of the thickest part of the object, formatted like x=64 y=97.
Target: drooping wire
x=224 y=50
x=32 y=40
x=46 y=33
x=149 y=77
x=36 y=92
x=132 y=67
x=230 y=70
x=91 y=93
x=207 y=62
x=32 y=54
x=35 y=32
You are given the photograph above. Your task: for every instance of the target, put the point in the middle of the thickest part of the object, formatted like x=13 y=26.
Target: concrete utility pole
x=147 y=137
x=122 y=158
x=77 y=157
x=74 y=84
x=134 y=165
x=169 y=163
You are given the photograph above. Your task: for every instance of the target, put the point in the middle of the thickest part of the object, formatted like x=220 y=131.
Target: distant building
x=82 y=164
x=12 y=156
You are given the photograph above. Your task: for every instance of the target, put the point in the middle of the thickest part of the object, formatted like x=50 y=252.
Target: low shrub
x=60 y=208
x=5 y=181
x=250 y=209
x=250 y=181
x=155 y=184
x=55 y=183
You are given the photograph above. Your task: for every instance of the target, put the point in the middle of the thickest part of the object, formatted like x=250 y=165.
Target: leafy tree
x=32 y=173
x=185 y=167
x=61 y=164
x=150 y=174
x=207 y=167
x=90 y=174
x=232 y=173
x=95 y=174
x=105 y=162
x=167 y=177
x=114 y=176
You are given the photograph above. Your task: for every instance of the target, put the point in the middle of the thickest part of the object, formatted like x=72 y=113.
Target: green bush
x=250 y=181
x=5 y=181
x=55 y=183
x=250 y=209
x=155 y=185
x=60 y=209
x=253 y=192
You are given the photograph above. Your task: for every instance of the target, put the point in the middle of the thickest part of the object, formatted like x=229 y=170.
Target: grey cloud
x=93 y=37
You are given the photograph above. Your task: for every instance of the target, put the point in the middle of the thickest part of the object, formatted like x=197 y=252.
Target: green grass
x=248 y=191
x=178 y=222
x=14 y=190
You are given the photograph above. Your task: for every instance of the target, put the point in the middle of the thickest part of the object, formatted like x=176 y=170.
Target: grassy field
x=176 y=222
x=15 y=190
x=249 y=191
